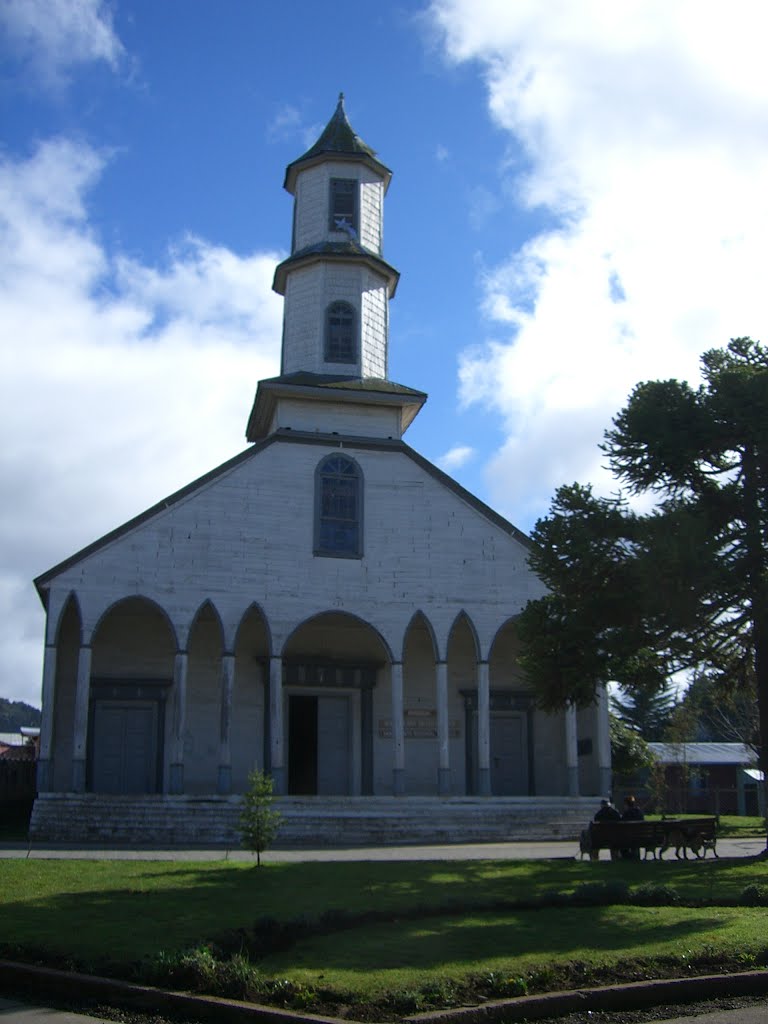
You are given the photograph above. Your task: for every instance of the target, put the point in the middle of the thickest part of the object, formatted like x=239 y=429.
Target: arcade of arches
x=138 y=705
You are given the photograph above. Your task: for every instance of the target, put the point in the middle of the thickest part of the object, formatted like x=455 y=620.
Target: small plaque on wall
x=418 y=724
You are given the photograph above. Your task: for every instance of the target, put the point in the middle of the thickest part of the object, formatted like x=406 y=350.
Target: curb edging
x=42 y=981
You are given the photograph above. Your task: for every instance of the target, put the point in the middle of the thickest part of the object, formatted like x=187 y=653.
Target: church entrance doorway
x=319 y=747
x=509 y=754
x=124 y=749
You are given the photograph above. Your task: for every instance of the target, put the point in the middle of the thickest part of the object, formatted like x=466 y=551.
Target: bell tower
x=337 y=288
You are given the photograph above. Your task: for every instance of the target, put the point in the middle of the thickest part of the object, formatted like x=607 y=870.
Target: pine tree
x=635 y=598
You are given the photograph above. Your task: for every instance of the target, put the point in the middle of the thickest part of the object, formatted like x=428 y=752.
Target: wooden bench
x=683 y=834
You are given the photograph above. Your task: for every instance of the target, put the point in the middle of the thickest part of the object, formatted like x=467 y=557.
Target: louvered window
x=343 y=206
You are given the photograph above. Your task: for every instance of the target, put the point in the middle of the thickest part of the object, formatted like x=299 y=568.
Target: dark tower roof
x=337 y=142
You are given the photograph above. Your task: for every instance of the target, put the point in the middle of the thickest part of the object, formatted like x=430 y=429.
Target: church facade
x=328 y=605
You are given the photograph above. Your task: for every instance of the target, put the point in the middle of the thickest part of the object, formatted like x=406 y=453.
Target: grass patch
x=734 y=826
x=368 y=962
x=384 y=938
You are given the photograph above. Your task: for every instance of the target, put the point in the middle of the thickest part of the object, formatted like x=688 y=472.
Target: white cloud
x=119 y=382
x=52 y=36
x=645 y=126
x=483 y=205
x=456 y=457
x=286 y=123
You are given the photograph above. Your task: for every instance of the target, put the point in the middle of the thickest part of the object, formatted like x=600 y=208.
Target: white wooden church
x=327 y=605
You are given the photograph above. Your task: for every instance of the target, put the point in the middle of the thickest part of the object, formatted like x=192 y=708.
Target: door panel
x=333 y=745
x=124 y=747
x=509 y=755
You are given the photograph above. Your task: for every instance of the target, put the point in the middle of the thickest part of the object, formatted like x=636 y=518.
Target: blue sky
x=578 y=204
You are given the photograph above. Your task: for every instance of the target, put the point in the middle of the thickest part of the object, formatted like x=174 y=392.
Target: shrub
x=652 y=894
x=600 y=894
x=504 y=986
x=259 y=822
x=755 y=895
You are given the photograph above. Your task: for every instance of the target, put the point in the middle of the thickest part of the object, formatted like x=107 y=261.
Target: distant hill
x=15 y=713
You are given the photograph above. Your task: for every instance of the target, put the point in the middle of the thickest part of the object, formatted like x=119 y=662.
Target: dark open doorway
x=302 y=745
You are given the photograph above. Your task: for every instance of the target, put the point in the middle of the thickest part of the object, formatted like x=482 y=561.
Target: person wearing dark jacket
x=631 y=810
x=631 y=813
x=607 y=812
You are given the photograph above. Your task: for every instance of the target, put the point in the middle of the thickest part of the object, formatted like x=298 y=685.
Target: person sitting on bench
x=631 y=812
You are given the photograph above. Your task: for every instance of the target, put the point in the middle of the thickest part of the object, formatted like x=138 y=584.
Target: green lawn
x=130 y=909
x=368 y=962
x=441 y=925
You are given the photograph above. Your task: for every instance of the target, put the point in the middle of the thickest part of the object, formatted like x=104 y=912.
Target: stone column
x=276 y=741
x=176 y=777
x=444 y=761
x=82 y=696
x=603 y=729
x=224 y=781
x=483 y=729
x=398 y=730
x=571 y=750
x=44 y=760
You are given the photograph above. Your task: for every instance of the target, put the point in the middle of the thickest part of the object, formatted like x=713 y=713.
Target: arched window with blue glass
x=339 y=508
x=340 y=333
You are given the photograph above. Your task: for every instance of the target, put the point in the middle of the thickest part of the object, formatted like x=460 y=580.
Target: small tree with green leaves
x=259 y=821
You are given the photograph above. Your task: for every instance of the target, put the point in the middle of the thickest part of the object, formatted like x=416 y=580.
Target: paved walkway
x=14 y=1012
x=458 y=851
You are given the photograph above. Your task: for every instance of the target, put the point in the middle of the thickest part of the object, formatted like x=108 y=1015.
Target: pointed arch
x=253 y=647
x=207 y=609
x=69 y=607
x=254 y=613
x=419 y=621
x=203 y=700
x=464 y=620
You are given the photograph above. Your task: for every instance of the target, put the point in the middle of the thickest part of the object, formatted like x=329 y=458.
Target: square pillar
x=176 y=776
x=276 y=741
x=444 y=765
x=82 y=697
x=44 y=760
x=224 y=781
x=483 y=729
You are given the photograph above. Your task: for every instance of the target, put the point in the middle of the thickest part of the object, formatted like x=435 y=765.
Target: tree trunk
x=758 y=585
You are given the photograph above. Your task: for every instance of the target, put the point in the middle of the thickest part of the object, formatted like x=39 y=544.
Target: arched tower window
x=338 y=508
x=340 y=333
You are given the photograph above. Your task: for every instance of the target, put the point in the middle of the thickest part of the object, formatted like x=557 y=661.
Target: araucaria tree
x=635 y=598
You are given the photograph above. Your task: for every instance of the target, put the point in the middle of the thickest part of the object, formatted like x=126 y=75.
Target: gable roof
x=291 y=437
x=703 y=753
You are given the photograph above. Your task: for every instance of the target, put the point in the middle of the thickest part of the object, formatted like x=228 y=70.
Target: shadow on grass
x=529 y=935
x=123 y=911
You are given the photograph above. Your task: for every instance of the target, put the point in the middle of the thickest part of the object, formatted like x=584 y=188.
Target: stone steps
x=91 y=818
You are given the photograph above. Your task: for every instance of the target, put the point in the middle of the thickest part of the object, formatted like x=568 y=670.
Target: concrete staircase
x=165 y=821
